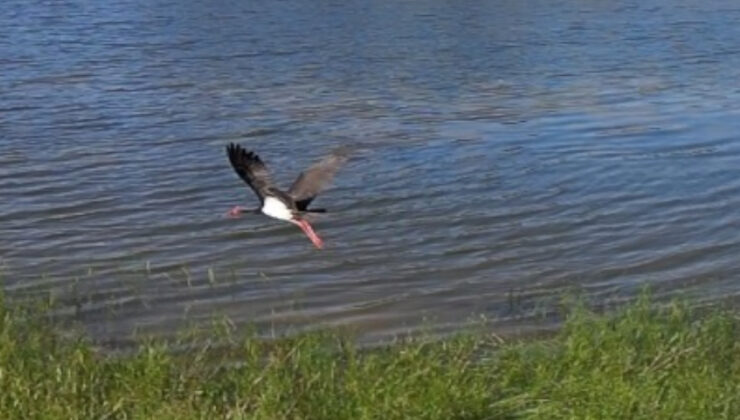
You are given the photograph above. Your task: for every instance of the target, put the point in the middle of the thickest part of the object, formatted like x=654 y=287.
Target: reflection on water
x=505 y=153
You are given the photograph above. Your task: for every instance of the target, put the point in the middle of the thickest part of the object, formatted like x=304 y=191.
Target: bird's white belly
x=277 y=209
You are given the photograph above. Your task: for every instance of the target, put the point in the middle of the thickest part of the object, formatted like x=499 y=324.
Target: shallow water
x=505 y=153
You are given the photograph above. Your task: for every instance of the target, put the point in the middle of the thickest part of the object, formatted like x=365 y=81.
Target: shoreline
x=641 y=361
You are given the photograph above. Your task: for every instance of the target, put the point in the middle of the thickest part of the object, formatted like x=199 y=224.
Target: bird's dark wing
x=314 y=179
x=250 y=168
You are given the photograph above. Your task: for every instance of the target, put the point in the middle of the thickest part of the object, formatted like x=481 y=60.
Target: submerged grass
x=640 y=362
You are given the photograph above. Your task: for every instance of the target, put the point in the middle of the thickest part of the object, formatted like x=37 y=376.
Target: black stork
x=290 y=205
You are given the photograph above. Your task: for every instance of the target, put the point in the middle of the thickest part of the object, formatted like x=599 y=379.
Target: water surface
x=505 y=153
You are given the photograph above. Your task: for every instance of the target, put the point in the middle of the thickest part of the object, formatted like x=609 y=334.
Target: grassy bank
x=638 y=363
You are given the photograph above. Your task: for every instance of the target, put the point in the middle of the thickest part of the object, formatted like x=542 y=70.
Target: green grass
x=637 y=363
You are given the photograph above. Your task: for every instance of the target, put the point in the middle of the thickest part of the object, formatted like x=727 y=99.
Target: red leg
x=236 y=211
x=308 y=230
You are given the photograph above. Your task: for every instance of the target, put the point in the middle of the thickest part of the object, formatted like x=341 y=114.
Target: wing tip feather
x=238 y=154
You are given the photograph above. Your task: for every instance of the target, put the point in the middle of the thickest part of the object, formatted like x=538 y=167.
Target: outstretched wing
x=314 y=179
x=250 y=168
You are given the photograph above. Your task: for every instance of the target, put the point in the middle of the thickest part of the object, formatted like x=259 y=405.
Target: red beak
x=308 y=230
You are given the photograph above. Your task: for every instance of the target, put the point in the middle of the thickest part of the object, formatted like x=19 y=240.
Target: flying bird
x=291 y=205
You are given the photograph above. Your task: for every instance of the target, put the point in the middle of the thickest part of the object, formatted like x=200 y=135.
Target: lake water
x=506 y=153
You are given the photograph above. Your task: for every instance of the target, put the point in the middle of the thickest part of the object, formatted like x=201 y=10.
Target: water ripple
x=504 y=154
